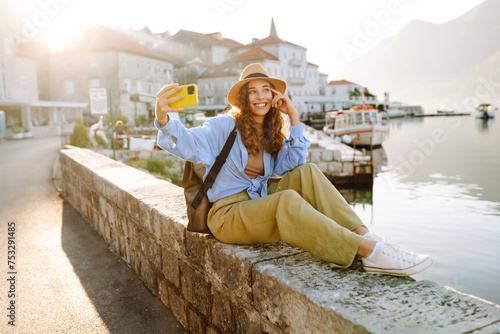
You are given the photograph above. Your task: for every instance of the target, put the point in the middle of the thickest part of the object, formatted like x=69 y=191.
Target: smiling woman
x=303 y=208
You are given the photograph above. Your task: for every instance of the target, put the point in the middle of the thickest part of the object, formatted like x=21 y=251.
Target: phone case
x=190 y=97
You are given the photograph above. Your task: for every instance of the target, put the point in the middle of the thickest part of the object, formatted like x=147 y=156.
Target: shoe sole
x=400 y=272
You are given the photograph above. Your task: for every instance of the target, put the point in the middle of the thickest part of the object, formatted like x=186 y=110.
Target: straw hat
x=252 y=72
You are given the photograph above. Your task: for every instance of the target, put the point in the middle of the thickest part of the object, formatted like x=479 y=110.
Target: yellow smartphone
x=190 y=98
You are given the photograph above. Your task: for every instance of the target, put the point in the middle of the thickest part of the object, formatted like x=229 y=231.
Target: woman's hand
x=285 y=105
x=163 y=101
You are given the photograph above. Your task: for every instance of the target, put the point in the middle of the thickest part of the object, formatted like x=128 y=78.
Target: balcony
x=295 y=63
x=296 y=81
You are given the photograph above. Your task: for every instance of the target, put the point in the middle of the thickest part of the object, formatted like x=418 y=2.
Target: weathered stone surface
x=163 y=290
x=232 y=264
x=326 y=155
x=151 y=250
x=492 y=329
x=170 y=266
x=196 y=323
x=214 y=287
x=355 y=301
x=178 y=306
x=249 y=321
x=195 y=288
x=222 y=314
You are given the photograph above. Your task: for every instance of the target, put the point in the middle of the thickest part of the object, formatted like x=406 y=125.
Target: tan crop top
x=255 y=164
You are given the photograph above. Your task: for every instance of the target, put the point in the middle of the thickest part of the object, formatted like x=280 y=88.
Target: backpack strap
x=216 y=167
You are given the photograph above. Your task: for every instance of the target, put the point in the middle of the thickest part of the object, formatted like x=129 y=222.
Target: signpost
x=99 y=106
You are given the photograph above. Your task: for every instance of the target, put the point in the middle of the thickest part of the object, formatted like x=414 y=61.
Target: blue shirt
x=204 y=143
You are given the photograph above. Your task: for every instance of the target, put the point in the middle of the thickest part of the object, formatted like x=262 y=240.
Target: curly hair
x=274 y=131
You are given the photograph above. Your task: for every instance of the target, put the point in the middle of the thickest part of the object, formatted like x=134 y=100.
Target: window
x=168 y=74
x=138 y=65
x=209 y=100
x=127 y=85
x=2 y=84
x=7 y=45
x=150 y=88
x=24 y=85
x=139 y=86
x=94 y=83
x=150 y=68
x=70 y=86
x=209 y=85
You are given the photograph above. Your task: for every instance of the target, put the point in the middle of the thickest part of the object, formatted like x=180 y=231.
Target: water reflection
x=483 y=125
x=446 y=204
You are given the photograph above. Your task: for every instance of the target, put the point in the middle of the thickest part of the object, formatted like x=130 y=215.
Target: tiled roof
x=222 y=70
x=104 y=39
x=212 y=38
x=340 y=82
x=270 y=40
x=253 y=54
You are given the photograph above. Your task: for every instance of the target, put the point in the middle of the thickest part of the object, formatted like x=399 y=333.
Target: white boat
x=357 y=126
x=485 y=111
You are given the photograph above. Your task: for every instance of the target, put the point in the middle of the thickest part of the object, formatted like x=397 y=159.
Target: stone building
x=27 y=113
x=133 y=68
x=280 y=58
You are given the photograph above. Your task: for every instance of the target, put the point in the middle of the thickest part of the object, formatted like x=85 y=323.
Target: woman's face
x=259 y=98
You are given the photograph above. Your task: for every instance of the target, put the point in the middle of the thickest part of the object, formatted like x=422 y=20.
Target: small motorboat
x=485 y=111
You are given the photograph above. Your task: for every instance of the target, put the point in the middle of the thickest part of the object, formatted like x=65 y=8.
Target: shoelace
x=399 y=254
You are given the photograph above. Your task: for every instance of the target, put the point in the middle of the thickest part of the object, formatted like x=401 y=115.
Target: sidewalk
x=67 y=280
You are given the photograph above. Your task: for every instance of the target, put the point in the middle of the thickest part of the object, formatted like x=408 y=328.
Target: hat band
x=256 y=75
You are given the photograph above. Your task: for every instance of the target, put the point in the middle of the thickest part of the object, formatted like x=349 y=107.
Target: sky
x=335 y=32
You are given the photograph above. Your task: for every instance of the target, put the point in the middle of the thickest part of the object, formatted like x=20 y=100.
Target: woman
x=303 y=208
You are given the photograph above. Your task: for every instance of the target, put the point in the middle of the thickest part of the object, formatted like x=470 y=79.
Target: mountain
x=453 y=64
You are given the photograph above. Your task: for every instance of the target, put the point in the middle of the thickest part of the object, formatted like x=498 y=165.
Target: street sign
x=98 y=101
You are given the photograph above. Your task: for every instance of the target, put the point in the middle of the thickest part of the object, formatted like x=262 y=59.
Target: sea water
x=437 y=191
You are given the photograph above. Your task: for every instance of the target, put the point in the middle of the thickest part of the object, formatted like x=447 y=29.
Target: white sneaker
x=397 y=262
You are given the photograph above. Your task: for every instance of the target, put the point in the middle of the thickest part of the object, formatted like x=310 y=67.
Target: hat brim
x=234 y=92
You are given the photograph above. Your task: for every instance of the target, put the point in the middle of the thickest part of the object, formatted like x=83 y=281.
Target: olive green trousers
x=303 y=209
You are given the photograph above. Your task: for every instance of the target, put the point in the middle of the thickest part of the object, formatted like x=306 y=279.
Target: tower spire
x=273 y=29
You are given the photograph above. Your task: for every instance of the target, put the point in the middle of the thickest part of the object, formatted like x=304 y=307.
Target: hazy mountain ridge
x=456 y=63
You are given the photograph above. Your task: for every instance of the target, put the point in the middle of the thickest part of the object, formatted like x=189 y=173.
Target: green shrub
x=159 y=168
x=79 y=137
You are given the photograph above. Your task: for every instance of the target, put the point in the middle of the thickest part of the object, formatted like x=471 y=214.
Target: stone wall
x=213 y=287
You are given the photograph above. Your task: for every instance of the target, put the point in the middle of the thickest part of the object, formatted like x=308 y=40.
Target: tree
x=79 y=137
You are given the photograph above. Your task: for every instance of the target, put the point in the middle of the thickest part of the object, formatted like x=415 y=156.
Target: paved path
x=67 y=280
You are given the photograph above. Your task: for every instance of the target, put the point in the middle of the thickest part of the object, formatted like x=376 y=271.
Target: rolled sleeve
x=295 y=155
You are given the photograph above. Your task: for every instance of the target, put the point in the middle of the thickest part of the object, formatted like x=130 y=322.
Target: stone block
x=323 y=166
x=151 y=250
x=163 y=290
x=249 y=321
x=326 y=155
x=178 y=306
x=337 y=155
x=222 y=314
x=196 y=288
x=170 y=266
x=106 y=188
x=196 y=248
x=334 y=168
x=296 y=291
x=315 y=156
x=278 y=296
x=347 y=168
x=232 y=264
x=196 y=323
x=148 y=274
